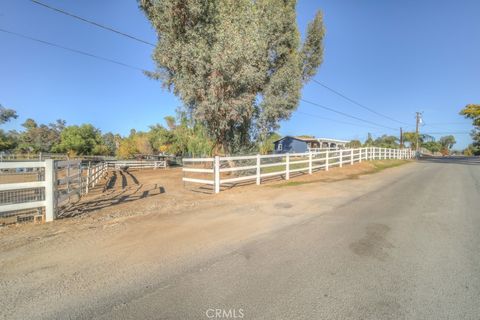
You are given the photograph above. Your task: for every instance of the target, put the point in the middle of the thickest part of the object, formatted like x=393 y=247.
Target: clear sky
x=396 y=57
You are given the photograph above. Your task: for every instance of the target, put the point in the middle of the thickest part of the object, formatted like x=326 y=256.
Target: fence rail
x=217 y=171
x=31 y=194
x=117 y=165
x=45 y=188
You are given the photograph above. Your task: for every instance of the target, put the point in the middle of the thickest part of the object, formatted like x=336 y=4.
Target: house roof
x=314 y=139
x=297 y=138
x=332 y=140
x=306 y=139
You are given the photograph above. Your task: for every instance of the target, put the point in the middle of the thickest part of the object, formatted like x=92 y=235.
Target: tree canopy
x=447 y=143
x=472 y=111
x=237 y=65
x=7 y=114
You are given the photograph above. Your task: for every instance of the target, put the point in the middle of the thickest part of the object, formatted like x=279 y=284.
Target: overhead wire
x=357 y=103
x=346 y=114
x=92 y=22
x=149 y=43
x=71 y=49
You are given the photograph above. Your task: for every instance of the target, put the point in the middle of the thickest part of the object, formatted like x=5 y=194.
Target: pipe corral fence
x=218 y=171
x=41 y=190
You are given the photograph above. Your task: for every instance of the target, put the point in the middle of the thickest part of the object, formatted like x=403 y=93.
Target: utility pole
x=418 y=121
x=401 y=138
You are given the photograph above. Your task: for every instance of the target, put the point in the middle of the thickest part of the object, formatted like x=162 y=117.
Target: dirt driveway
x=146 y=222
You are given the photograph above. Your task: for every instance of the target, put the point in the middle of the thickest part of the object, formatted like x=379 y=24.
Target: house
x=291 y=144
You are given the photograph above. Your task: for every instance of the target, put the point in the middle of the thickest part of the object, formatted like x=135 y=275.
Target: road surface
x=408 y=249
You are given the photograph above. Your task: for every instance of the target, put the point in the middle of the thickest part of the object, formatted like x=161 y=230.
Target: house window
x=279 y=147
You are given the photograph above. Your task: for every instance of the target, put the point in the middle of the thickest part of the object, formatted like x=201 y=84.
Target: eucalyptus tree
x=7 y=114
x=237 y=65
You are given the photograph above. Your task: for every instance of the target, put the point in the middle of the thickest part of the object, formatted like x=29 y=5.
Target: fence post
x=68 y=177
x=94 y=173
x=258 y=170
x=351 y=156
x=326 y=160
x=361 y=154
x=216 y=170
x=310 y=162
x=89 y=172
x=341 y=158
x=287 y=167
x=49 y=190
x=80 y=182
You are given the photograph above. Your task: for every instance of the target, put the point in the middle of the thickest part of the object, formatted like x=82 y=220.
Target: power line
x=71 y=50
x=92 y=22
x=460 y=132
x=151 y=44
x=347 y=115
x=357 y=103
x=443 y=123
x=335 y=120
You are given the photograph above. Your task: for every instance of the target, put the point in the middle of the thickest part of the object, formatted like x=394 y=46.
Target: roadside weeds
x=370 y=167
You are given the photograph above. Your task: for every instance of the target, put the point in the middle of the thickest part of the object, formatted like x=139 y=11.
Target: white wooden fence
x=30 y=195
x=56 y=184
x=213 y=171
x=94 y=174
x=131 y=164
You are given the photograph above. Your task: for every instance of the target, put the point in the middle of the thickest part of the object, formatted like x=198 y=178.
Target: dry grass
x=345 y=173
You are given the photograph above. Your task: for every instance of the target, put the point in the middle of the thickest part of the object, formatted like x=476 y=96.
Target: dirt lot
x=145 y=222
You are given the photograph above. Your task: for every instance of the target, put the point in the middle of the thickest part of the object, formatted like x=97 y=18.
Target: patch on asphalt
x=374 y=244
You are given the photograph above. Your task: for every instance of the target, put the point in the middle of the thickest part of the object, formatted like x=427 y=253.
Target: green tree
x=447 y=143
x=8 y=140
x=472 y=111
x=354 y=144
x=81 y=140
x=411 y=139
x=111 y=142
x=369 y=141
x=386 y=141
x=7 y=114
x=237 y=65
x=267 y=146
x=432 y=146
x=39 y=138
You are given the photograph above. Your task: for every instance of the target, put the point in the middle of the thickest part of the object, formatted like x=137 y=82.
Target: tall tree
x=81 y=140
x=369 y=141
x=7 y=114
x=39 y=137
x=386 y=141
x=237 y=65
x=8 y=140
x=447 y=143
x=354 y=144
x=432 y=146
x=472 y=111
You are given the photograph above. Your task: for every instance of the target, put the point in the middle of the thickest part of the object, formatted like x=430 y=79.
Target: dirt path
x=152 y=225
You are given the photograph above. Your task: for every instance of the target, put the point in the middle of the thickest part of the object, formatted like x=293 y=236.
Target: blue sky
x=396 y=57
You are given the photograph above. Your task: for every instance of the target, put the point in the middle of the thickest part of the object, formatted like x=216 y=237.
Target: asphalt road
x=400 y=244
x=408 y=251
